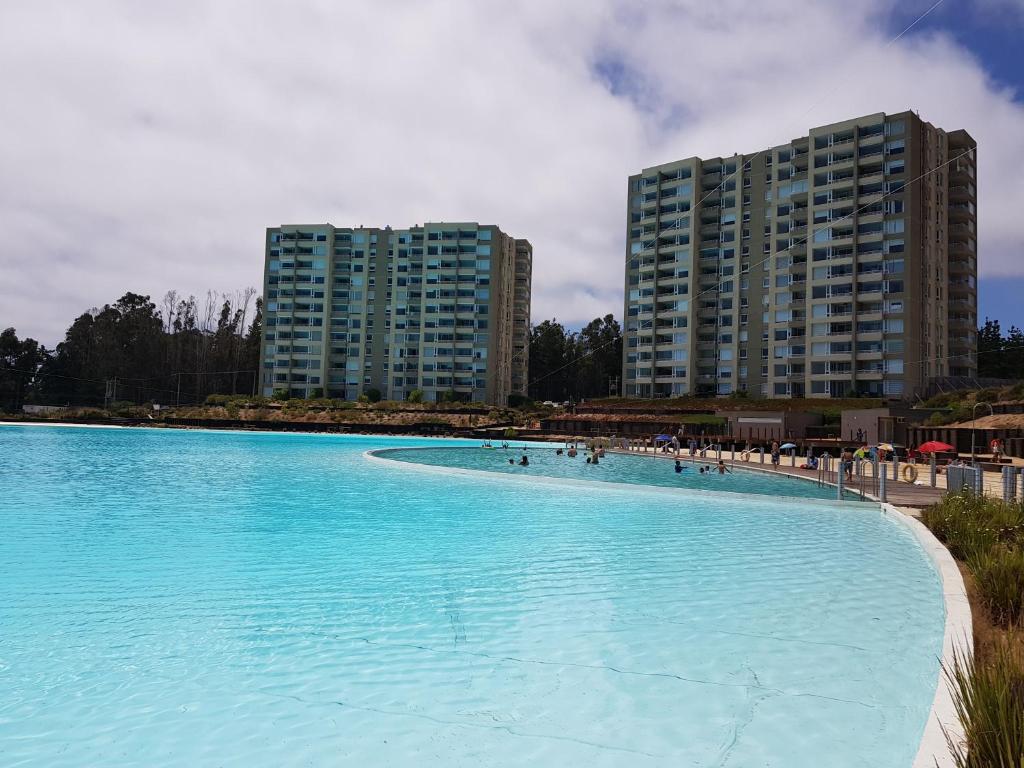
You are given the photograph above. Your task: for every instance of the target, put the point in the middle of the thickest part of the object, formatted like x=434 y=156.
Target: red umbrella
x=934 y=446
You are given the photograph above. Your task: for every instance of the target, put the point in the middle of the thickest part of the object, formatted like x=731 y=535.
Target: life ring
x=909 y=473
x=745 y=455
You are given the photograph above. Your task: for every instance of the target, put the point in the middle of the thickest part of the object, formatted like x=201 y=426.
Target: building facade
x=443 y=308
x=842 y=262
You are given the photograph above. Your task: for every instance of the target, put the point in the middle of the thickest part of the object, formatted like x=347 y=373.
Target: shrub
x=519 y=401
x=372 y=395
x=416 y=396
x=988 y=693
x=999 y=574
x=510 y=433
x=937 y=419
x=363 y=398
x=986 y=396
x=945 y=400
x=316 y=393
x=217 y=399
x=281 y=393
x=971 y=525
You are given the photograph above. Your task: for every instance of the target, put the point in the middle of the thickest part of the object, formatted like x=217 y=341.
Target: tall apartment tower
x=442 y=308
x=844 y=261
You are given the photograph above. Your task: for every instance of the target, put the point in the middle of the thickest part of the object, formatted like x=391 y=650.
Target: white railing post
x=881 y=488
x=932 y=469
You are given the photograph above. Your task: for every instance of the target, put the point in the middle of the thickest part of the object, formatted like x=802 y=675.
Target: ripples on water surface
x=189 y=599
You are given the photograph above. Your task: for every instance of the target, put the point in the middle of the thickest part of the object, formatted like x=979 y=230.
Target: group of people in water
x=705 y=469
x=596 y=454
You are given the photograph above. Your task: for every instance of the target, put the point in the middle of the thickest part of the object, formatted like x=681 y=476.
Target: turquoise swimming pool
x=187 y=598
x=615 y=468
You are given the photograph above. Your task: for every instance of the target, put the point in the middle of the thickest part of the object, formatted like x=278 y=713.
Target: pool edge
x=943 y=724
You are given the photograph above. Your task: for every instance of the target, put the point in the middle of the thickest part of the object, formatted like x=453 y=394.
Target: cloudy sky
x=145 y=146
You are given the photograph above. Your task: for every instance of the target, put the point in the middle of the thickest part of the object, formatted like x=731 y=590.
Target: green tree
x=553 y=353
x=599 y=346
x=20 y=362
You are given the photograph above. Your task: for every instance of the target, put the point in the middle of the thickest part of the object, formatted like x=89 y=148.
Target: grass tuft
x=999 y=575
x=988 y=692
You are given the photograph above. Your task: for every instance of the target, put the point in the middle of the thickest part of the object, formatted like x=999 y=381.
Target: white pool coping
x=942 y=724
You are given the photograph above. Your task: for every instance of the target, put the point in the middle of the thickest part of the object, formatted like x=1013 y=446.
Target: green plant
x=937 y=419
x=999 y=574
x=945 y=400
x=316 y=393
x=372 y=395
x=281 y=393
x=971 y=525
x=415 y=396
x=988 y=693
x=519 y=401
x=986 y=396
x=510 y=433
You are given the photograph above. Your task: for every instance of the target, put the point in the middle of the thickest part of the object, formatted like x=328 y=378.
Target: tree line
x=1000 y=356
x=133 y=351
x=569 y=365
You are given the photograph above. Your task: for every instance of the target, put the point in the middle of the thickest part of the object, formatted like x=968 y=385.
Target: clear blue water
x=182 y=598
x=615 y=468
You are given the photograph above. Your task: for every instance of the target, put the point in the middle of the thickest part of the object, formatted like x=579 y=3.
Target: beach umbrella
x=934 y=446
x=787 y=446
x=663 y=439
x=885 y=446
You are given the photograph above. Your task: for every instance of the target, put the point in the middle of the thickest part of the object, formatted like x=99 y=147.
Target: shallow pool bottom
x=259 y=599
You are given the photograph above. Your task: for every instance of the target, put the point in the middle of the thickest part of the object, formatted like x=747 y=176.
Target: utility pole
x=177 y=397
x=109 y=393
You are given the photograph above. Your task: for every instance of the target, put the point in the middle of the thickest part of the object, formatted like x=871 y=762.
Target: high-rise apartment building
x=844 y=261
x=443 y=308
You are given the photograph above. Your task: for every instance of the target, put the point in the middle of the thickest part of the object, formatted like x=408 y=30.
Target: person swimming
x=512 y=462
x=722 y=469
x=558 y=452
x=702 y=470
x=525 y=461
x=679 y=466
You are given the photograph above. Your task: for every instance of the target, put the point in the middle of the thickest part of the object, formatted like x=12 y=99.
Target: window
x=894 y=166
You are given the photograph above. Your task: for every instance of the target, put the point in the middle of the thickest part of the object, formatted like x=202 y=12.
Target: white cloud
x=145 y=146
